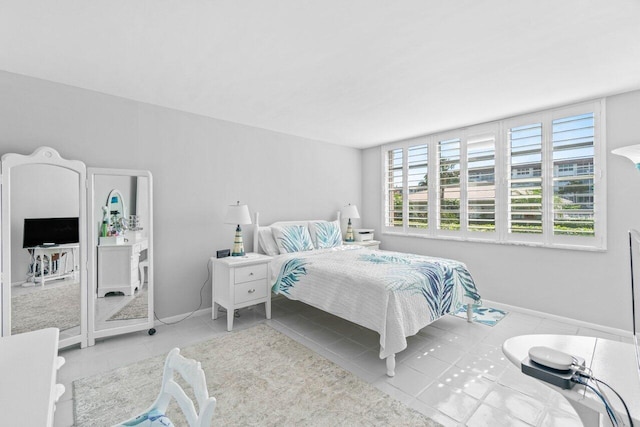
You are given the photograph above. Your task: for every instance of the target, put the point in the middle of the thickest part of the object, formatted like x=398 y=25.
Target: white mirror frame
x=44 y=156
x=93 y=258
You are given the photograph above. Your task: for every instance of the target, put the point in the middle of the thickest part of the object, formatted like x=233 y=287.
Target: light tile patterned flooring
x=452 y=371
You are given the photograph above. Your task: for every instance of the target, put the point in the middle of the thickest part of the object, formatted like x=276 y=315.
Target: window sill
x=495 y=242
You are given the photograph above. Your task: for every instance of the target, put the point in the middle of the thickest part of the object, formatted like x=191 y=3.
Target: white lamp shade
x=237 y=214
x=350 y=211
x=631 y=152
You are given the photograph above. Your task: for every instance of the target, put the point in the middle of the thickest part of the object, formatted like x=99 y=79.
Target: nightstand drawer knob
x=251 y=291
x=251 y=274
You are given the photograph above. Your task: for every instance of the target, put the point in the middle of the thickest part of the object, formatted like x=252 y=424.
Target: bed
x=394 y=294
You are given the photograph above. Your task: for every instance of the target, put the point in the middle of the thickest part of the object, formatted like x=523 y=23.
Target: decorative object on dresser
x=238 y=214
x=350 y=211
x=240 y=282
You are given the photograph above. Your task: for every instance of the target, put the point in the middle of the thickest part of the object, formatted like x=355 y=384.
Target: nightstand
x=240 y=282
x=369 y=244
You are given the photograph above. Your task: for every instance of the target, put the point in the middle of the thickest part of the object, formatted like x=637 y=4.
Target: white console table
x=613 y=362
x=118 y=266
x=29 y=364
x=60 y=268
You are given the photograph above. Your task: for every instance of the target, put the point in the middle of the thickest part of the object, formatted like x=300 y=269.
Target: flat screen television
x=50 y=231
x=634 y=247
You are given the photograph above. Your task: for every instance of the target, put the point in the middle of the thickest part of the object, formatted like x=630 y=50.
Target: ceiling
x=357 y=73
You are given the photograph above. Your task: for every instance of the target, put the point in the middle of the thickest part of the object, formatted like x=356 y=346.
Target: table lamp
x=238 y=214
x=632 y=152
x=350 y=211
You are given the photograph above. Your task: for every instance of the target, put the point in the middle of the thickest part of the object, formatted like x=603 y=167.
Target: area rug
x=484 y=315
x=259 y=377
x=135 y=309
x=46 y=307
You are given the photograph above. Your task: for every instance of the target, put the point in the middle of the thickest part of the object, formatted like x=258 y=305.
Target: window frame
x=500 y=130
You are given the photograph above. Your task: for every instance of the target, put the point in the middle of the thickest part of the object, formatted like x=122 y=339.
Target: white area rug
x=46 y=307
x=135 y=309
x=259 y=377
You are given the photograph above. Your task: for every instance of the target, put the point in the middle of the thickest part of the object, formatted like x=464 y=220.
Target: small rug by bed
x=484 y=315
x=135 y=309
x=258 y=376
x=51 y=306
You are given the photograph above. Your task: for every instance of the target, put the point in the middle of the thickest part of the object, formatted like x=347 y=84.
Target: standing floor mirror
x=120 y=252
x=44 y=246
x=77 y=248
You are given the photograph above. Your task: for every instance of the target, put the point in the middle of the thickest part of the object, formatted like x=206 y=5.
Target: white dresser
x=118 y=266
x=29 y=365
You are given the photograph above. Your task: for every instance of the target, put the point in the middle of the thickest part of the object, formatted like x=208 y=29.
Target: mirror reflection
x=45 y=282
x=121 y=282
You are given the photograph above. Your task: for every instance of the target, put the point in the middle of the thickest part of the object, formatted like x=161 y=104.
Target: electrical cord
x=612 y=417
x=589 y=376
x=199 y=305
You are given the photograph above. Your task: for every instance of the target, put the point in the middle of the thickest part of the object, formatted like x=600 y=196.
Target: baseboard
x=580 y=323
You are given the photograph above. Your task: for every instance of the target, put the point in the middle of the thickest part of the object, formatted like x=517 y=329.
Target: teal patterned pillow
x=326 y=234
x=292 y=238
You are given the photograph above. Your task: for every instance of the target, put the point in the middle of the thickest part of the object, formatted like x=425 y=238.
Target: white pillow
x=326 y=234
x=292 y=238
x=267 y=242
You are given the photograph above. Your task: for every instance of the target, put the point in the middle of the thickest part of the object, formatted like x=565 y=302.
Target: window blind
x=525 y=183
x=449 y=184
x=573 y=189
x=481 y=183
x=417 y=186
x=394 y=199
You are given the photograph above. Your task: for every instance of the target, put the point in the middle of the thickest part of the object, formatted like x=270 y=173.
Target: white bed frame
x=391 y=359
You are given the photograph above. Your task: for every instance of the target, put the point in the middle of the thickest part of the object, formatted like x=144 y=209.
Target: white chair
x=192 y=373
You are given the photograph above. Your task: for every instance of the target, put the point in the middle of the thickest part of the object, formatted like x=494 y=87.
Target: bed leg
x=391 y=365
x=469 y=312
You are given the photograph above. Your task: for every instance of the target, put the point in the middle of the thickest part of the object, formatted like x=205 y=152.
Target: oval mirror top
x=116 y=210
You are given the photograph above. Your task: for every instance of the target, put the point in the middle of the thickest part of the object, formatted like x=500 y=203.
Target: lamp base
x=349 y=236
x=238 y=247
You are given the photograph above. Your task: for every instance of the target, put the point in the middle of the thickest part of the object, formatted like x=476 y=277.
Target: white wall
x=589 y=286
x=199 y=166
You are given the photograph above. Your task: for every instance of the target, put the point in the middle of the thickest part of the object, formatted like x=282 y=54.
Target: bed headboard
x=257 y=226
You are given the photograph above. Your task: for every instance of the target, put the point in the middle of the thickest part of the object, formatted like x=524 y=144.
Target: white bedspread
x=394 y=294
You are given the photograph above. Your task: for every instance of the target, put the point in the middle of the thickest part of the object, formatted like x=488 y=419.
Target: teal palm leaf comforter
x=394 y=294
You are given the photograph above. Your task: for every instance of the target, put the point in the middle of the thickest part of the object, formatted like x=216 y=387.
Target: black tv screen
x=50 y=231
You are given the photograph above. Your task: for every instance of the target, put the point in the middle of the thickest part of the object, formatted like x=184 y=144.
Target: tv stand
x=52 y=262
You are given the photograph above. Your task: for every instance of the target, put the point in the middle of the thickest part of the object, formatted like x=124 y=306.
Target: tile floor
x=452 y=371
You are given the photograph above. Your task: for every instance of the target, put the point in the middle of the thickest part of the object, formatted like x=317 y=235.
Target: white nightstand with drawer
x=240 y=282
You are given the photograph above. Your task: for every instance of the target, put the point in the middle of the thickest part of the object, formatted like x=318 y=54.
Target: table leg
x=267 y=308
x=229 y=319
x=214 y=310
x=588 y=416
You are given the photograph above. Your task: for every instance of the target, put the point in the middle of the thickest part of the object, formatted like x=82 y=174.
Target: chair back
x=191 y=371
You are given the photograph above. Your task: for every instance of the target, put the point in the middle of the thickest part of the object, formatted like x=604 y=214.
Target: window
x=394 y=186
x=525 y=189
x=536 y=179
x=449 y=184
x=418 y=194
x=481 y=183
